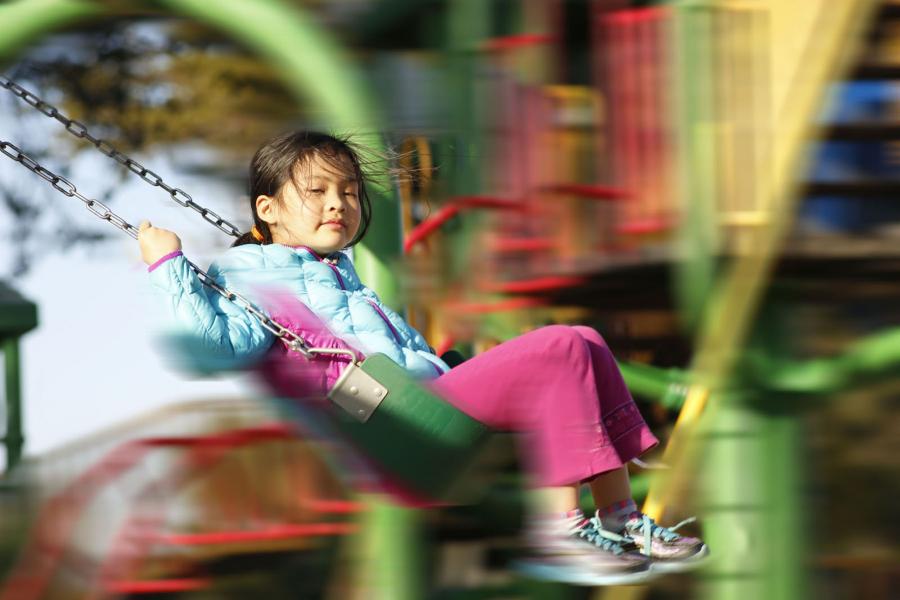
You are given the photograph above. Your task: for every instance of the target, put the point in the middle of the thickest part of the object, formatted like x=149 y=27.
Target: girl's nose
x=335 y=201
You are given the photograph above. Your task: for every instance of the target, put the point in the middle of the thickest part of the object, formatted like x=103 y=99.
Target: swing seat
x=418 y=444
x=423 y=442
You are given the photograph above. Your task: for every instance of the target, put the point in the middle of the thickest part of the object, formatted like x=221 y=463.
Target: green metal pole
x=697 y=238
x=14 y=440
x=467 y=28
x=753 y=519
x=753 y=515
x=393 y=551
x=733 y=472
x=786 y=540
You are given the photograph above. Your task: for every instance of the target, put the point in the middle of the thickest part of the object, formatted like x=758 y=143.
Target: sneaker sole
x=695 y=561
x=546 y=572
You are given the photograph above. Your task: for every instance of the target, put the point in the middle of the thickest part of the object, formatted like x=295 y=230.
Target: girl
x=558 y=385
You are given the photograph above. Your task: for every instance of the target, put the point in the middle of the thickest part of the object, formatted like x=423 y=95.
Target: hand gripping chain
x=67 y=188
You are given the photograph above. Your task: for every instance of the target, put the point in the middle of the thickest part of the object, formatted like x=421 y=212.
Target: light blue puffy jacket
x=228 y=337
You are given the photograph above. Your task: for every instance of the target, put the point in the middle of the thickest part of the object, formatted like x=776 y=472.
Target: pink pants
x=561 y=387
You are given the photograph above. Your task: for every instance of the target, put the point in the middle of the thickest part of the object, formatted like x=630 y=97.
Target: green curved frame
x=311 y=64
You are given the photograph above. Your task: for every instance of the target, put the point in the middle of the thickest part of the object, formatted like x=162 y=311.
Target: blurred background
x=712 y=184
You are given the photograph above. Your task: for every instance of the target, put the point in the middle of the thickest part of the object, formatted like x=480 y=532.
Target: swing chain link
x=288 y=337
x=67 y=188
x=80 y=131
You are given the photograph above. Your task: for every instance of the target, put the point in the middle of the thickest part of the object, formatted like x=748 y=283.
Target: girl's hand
x=156 y=243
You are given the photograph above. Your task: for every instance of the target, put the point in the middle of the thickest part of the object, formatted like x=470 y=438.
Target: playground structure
x=161 y=504
x=705 y=181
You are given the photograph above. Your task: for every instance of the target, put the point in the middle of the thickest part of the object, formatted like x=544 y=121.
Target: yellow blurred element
x=803 y=46
x=691 y=412
x=809 y=45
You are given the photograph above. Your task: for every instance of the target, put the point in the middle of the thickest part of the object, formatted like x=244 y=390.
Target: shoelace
x=651 y=530
x=606 y=540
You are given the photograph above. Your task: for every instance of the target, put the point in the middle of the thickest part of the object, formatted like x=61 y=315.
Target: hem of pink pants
x=609 y=457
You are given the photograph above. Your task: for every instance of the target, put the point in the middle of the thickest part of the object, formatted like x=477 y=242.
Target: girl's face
x=318 y=208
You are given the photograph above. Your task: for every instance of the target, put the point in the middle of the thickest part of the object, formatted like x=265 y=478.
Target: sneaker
x=578 y=551
x=668 y=551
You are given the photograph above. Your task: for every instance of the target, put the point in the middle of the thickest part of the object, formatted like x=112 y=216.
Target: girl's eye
x=317 y=191
x=350 y=193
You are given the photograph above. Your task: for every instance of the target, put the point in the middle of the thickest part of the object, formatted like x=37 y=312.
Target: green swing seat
x=422 y=441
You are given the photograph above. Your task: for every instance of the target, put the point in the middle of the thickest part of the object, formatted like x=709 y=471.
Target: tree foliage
x=142 y=85
x=175 y=82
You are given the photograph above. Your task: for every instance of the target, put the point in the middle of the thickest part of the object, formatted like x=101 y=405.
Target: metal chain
x=80 y=131
x=67 y=188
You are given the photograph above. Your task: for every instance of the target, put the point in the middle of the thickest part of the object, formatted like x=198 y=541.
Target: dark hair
x=274 y=164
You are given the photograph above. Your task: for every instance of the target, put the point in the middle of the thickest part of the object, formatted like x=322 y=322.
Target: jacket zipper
x=374 y=305
x=386 y=321
x=329 y=263
x=336 y=274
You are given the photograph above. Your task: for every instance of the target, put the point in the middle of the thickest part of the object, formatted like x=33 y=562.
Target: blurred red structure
x=146 y=533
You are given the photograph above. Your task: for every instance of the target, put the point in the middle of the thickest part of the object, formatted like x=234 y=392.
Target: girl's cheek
x=309 y=211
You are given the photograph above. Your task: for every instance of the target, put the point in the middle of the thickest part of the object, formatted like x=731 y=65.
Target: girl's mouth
x=334 y=224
